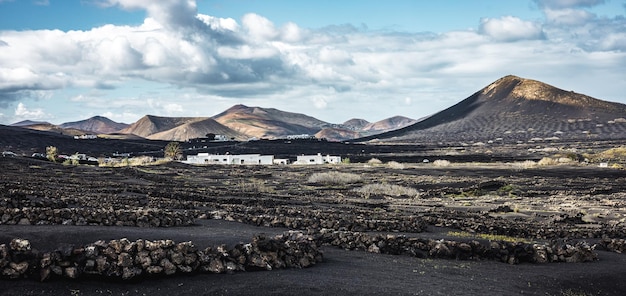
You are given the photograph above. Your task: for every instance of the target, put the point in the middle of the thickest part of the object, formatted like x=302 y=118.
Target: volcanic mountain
x=517 y=109
x=388 y=124
x=357 y=128
x=356 y=124
x=268 y=122
x=49 y=127
x=29 y=122
x=177 y=128
x=96 y=124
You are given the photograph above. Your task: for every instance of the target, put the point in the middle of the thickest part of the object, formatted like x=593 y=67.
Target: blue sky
x=64 y=61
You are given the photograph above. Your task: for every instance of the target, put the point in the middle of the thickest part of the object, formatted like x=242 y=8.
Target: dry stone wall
x=125 y=259
x=508 y=252
x=87 y=216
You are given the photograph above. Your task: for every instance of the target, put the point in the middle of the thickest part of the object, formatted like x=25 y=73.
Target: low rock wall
x=124 y=259
x=617 y=245
x=315 y=220
x=509 y=252
x=87 y=216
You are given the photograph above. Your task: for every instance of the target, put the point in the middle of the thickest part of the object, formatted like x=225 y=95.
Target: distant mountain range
x=511 y=109
x=514 y=109
x=239 y=122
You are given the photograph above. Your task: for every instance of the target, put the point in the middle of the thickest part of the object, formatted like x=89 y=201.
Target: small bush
x=387 y=190
x=441 y=163
x=547 y=161
x=334 y=178
x=374 y=161
x=395 y=165
x=52 y=153
x=528 y=164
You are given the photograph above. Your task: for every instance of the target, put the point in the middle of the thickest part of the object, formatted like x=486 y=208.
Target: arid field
x=549 y=227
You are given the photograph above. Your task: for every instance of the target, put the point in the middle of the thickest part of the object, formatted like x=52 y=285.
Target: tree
x=173 y=151
x=52 y=153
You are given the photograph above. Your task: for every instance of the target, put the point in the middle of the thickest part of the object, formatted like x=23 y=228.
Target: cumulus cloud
x=510 y=28
x=172 y=13
x=21 y=112
x=568 y=16
x=201 y=59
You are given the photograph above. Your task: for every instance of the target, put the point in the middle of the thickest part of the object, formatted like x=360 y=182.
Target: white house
x=281 y=161
x=317 y=159
x=206 y=158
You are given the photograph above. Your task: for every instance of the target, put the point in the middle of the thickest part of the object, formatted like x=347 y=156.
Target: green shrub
x=51 y=153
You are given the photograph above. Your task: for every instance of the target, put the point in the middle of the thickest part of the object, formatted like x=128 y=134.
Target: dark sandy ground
x=341 y=272
x=538 y=192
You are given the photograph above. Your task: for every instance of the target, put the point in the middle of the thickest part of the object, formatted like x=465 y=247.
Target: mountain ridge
x=96 y=124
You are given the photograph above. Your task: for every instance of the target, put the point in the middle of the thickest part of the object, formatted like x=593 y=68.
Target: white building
x=317 y=159
x=281 y=161
x=206 y=158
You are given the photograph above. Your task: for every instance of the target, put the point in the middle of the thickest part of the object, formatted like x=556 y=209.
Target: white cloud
x=197 y=60
x=259 y=28
x=320 y=103
x=510 y=28
x=568 y=16
x=175 y=14
x=21 y=112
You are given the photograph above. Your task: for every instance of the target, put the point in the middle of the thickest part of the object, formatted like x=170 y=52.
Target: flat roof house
x=206 y=158
x=317 y=159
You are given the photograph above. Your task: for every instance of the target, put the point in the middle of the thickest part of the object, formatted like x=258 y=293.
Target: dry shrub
x=547 y=161
x=441 y=163
x=334 y=178
x=374 y=161
x=254 y=185
x=395 y=165
x=522 y=165
x=387 y=190
x=564 y=160
x=613 y=154
x=133 y=161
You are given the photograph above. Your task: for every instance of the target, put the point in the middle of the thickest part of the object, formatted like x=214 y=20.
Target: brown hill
x=337 y=134
x=28 y=122
x=356 y=124
x=178 y=128
x=268 y=122
x=151 y=124
x=96 y=124
x=517 y=109
x=196 y=129
x=388 y=124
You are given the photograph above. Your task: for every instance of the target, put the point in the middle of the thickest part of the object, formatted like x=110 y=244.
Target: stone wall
x=508 y=252
x=124 y=259
x=87 y=216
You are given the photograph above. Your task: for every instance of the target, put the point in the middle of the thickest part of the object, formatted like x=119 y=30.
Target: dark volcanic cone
x=517 y=109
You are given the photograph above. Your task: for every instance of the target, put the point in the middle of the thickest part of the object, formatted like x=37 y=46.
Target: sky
x=64 y=61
